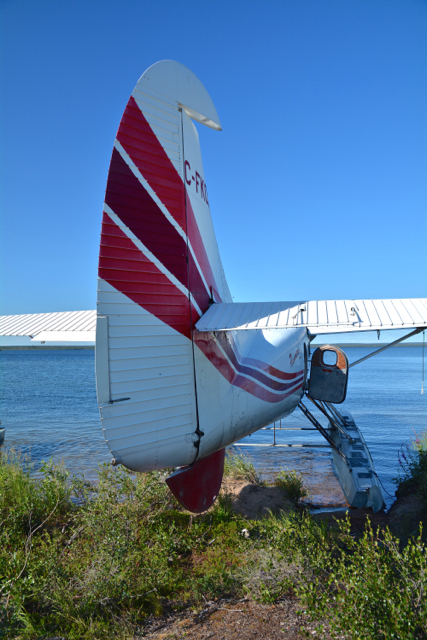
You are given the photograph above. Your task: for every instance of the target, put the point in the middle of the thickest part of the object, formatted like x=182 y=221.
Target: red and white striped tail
x=158 y=270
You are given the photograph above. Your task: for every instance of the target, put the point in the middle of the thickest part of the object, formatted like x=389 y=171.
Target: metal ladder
x=321 y=429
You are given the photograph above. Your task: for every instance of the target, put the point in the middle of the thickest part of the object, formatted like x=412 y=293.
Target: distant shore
x=314 y=345
x=347 y=345
x=41 y=348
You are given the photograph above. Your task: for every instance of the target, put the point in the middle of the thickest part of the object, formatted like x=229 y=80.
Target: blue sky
x=317 y=183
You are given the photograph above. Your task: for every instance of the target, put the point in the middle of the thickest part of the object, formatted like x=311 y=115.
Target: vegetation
x=79 y=560
x=241 y=467
x=412 y=476
x=292 y=484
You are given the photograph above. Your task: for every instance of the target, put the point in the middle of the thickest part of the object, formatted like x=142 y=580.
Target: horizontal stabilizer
x=319 y=316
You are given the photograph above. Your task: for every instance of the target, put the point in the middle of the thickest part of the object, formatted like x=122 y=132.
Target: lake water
x=48 y=406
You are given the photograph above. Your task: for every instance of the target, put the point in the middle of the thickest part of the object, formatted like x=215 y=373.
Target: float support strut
x=321 y=430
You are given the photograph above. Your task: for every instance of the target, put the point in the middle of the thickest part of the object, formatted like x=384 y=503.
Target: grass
x=80 y=560
x=240 y=467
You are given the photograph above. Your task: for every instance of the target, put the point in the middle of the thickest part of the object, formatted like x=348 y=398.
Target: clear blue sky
x=317 y=183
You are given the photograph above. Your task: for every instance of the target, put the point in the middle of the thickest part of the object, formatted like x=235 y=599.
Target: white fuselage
x=251 y=379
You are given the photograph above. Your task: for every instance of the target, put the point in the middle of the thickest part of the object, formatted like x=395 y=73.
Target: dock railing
x=275 y=428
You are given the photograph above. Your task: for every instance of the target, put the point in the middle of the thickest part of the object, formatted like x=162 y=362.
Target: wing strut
x=387 y=346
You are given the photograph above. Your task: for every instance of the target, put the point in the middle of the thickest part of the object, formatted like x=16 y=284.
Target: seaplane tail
x=182 y=371
x=159 y=270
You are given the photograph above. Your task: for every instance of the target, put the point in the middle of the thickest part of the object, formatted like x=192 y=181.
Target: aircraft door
x=329 y=375
x=305 y=383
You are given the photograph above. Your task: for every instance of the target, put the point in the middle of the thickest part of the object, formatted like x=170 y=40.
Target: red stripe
x=142 y=145
x=136 y=131
x=277 y=373
x=210 y=348
x=137 y=210
x=254 y=373
x=140 y=280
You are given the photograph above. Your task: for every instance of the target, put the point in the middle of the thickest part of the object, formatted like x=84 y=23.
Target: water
x=48 y=406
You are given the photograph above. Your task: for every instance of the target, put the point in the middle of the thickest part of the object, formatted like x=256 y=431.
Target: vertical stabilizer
x=158 y=268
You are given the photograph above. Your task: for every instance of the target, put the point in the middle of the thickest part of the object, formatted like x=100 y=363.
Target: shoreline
x=254 y=502
x=48 y=348
x=343 y=345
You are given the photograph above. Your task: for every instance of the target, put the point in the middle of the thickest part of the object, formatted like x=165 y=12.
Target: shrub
x=97 y=565
x=368 y=589
x=292 y=484
x=26 y=502
x=240 y=466
x=364 y=588
x=412 y=460
x=94 y=561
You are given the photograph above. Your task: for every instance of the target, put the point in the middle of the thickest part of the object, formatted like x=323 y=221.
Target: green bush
x=239 y=466
x=368 y=588
x=292 y=485
x=412 y=458
x=93 y=561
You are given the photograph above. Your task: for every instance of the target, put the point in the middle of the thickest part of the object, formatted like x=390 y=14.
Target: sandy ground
x=236 y=619
x=254 y=502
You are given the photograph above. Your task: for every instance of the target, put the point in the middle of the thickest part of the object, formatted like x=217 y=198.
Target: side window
x=329 y=357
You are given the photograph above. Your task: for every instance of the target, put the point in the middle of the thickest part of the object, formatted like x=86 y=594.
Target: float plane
x=182 y=371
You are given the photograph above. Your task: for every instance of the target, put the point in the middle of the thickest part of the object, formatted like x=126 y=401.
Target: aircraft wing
x=318 y=316
x=68 y=326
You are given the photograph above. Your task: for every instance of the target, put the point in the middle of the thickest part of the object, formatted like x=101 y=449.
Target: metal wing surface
x=68 y=326
x=319 y=316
